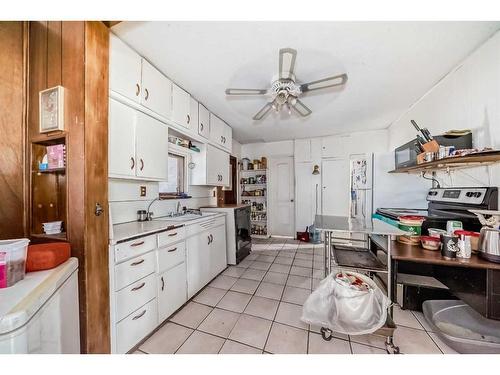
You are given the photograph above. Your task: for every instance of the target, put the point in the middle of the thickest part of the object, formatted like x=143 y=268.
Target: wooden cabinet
x=181 y=103
x=203 y=121
x=211 y=167
x=156 y=90
x=124 y=69
x=138 y=144
x=172 y=290
x=220 y=133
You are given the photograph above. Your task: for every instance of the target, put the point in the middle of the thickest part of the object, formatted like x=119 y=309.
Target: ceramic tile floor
x=255 y=307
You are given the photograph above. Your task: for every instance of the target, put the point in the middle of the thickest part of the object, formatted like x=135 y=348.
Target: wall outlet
x=143 y=191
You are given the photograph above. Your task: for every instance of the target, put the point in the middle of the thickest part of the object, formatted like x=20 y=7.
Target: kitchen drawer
x=171 y=236
x=172 y=291
x=134 y=296
x=134 y=269
x=205 y=225
x=136 y=326
x=133 y=248
x=171 y=255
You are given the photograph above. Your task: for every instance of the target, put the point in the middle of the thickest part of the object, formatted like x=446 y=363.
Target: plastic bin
x=12 y=261
x=461 y=327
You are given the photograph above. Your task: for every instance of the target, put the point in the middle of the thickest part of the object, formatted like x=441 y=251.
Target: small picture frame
x=51 y=107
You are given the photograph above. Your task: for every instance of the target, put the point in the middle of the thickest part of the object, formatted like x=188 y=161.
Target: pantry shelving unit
x=258 y=203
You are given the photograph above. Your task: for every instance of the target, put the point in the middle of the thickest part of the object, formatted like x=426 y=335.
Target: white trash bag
x=347 y=302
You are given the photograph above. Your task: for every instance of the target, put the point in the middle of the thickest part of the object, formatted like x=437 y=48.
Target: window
x=176 y=175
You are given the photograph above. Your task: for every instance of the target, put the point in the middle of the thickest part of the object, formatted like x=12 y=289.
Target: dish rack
x=372 y=257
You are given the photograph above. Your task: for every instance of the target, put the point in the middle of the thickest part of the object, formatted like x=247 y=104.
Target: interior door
x=121 y=139
x=156 y=90
x=335 y=184
x=152 y=148
x=281 y=197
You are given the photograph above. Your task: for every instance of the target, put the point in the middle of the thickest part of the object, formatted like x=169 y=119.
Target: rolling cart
x=369 y=254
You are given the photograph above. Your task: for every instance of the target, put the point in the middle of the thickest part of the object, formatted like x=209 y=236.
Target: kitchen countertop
x=329 y=223
x=228 y=206
x=135 y=229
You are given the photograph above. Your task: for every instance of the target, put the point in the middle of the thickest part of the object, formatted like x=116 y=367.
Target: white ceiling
x=390 y=65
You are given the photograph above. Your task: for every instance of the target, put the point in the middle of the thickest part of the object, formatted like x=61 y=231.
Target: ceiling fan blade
x=246 y=92
x=287 y=63
x=301 y=108
x=263 y=111
x=324 y=83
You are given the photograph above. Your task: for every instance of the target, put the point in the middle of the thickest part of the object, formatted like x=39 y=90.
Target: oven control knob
x=469 y=194
x=478 y=194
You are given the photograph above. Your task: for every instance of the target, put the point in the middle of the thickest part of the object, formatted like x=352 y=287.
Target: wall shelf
x=468 y=161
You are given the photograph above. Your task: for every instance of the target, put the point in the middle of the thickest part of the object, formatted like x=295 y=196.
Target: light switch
x=143 y=191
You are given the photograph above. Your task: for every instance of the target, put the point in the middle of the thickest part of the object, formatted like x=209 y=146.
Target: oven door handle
x=445 y=214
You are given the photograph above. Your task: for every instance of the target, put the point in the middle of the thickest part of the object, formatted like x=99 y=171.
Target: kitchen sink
x=186 y=217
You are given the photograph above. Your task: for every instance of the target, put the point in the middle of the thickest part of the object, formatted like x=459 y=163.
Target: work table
x=134 y=229
x=347 y=224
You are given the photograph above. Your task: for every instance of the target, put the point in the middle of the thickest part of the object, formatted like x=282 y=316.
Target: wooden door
x=281 y=197
x=203 y=121
x=156 y=90
x=125 y=69
x=121 y=139
x=180 y=106
x=151 y=148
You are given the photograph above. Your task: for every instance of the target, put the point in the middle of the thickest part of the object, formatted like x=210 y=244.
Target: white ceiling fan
x=284 y=91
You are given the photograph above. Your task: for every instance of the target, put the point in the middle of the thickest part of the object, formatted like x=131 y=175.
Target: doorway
x=229 y=194
x=281 y=197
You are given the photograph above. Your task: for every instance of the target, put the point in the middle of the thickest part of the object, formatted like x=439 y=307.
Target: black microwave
x=406 y=155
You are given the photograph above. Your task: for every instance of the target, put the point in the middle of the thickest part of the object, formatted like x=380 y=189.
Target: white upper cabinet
x=151 y=148
x=203 y=121
x=193 y=114
x=125 y=70
x=211 y=167
x=219 y=132
x=181 y=103
x=334 y=146
x=121 y=135
x=307 y=149
x=156 y=90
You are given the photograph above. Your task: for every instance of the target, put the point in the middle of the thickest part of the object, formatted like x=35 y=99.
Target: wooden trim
x=96 y=186
x=110 y=24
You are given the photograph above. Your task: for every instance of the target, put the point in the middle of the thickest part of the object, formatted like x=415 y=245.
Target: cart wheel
x=326 y=333
x=390 y=348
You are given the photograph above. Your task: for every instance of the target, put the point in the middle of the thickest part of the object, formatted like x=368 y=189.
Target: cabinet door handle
x=211 y=238
x=137 y=89
x=208 y=240
x=137 y=244
x=147 y=94
x=172 y=234
x=140 y=315
x=188 y=119
x=138 y=287
x=171 y=250
x=201 y=126
x=142 y=164
x=221 y=138
x=162 y=283
x=137 y=263
x=133 y=163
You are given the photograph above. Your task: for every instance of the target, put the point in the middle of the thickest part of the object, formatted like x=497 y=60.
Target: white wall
x=466 y=98
x=267 y=149
x=125 y=199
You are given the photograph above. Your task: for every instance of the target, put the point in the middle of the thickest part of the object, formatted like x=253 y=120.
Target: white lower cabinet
x=148 y=284
x=136 y=326
x=172 y=290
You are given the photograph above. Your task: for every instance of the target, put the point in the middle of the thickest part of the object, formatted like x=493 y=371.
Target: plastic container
x=461 y=327
x=430 y=243
x=412 y=224
x=12 y=261
x=434 y=232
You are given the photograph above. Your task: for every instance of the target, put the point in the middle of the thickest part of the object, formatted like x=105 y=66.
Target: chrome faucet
x=149 y=214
